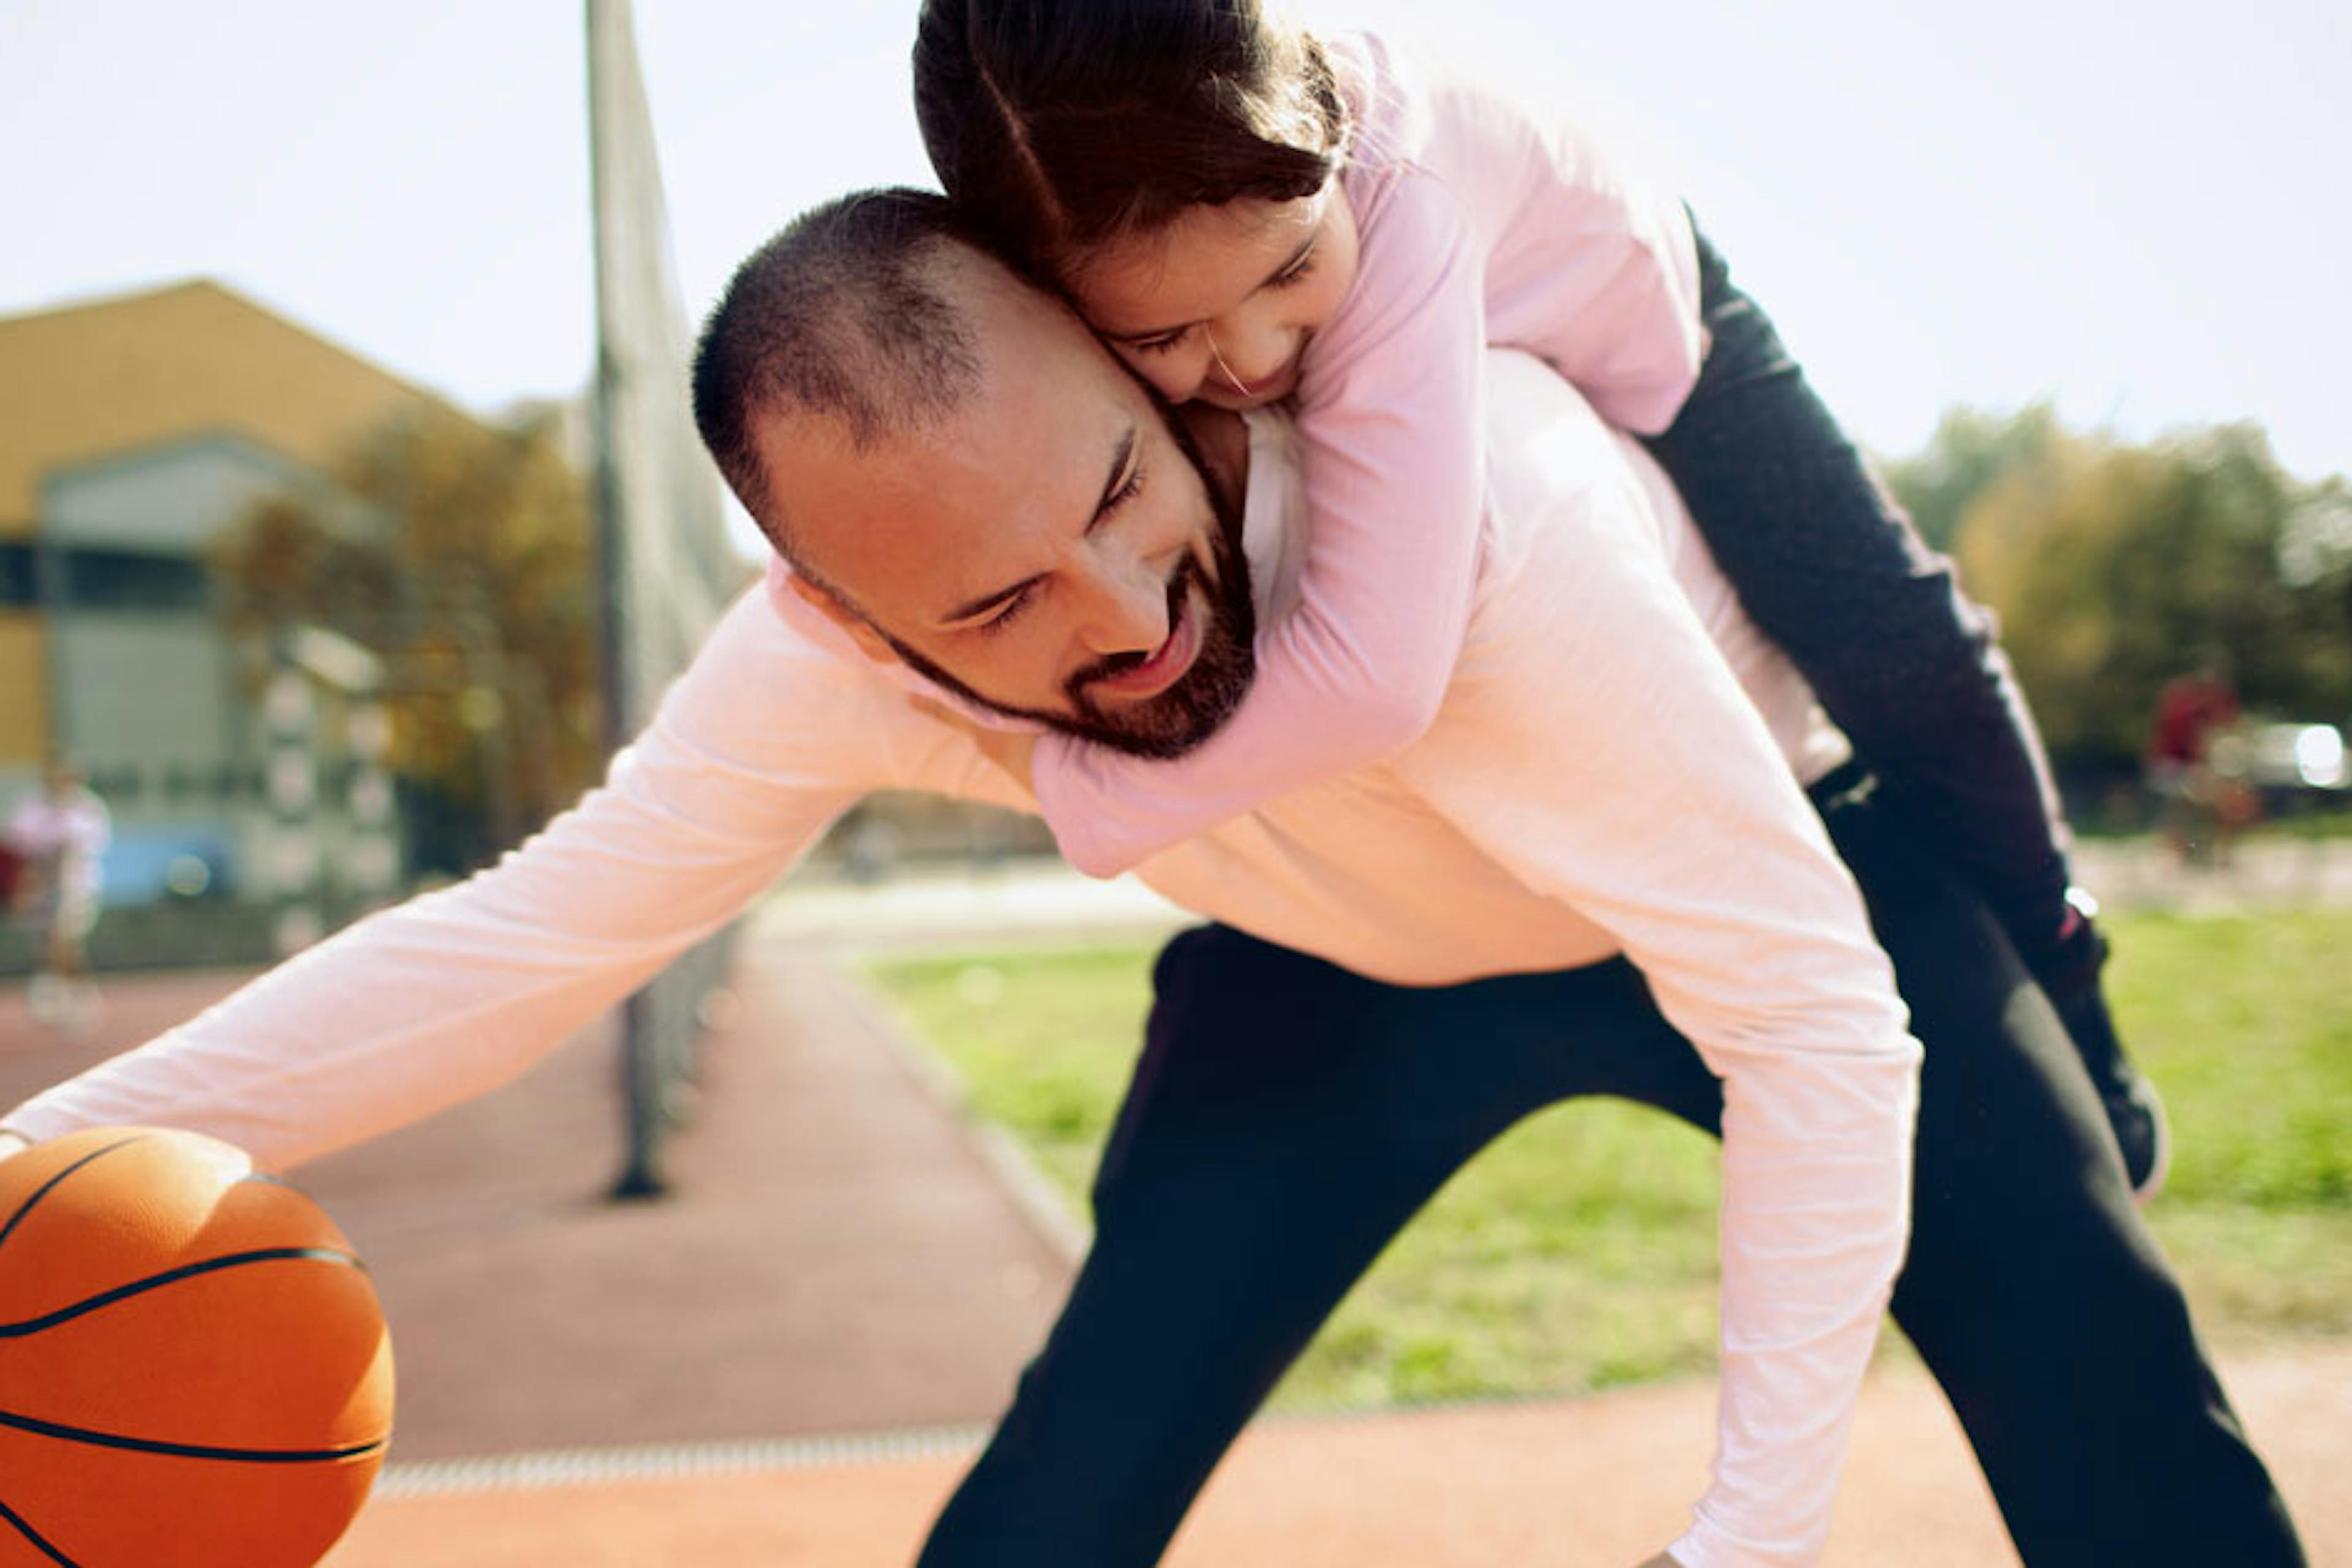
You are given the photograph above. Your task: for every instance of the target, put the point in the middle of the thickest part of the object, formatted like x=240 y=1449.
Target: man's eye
x=1128 y=490
x=1011 y=611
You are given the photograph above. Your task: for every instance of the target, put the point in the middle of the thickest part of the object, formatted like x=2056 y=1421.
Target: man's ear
x=870 y=643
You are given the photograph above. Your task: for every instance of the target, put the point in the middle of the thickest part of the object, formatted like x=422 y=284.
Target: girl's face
x=1219 y=303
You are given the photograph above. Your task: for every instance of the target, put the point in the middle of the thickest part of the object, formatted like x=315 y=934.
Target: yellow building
x=133 y=430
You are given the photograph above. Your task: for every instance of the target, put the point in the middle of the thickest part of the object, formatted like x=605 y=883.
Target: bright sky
x=2139 y=209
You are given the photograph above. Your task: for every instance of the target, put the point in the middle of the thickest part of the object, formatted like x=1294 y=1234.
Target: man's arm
x=1598 y=744
x=753 y=751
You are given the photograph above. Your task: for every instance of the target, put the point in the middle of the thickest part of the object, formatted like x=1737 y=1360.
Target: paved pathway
x=2263 y=873
x=839 y=1254
x=836 y=1254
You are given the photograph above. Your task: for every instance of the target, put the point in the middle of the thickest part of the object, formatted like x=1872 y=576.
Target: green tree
x=461 y=556
x=1970 y=451
x=2317 y=559
x=2115 y=567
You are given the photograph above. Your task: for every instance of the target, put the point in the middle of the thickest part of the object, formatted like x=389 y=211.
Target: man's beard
x=1173 y=722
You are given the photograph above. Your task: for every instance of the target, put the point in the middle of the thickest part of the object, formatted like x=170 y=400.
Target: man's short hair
x=843 y=316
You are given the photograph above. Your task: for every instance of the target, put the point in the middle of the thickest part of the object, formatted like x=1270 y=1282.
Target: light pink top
x=1481 y=223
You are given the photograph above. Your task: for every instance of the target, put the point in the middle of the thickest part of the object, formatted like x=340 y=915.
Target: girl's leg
x=1829 y=568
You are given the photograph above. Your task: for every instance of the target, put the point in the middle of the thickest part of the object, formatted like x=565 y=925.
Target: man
x=983 y=509
x=59 y=836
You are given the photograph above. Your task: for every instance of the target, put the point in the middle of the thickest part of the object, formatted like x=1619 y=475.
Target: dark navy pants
x=1830 y=569
x=1287 y=1118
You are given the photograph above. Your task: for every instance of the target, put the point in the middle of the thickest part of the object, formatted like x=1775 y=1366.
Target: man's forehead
x=1017 y=323
x=946 y=497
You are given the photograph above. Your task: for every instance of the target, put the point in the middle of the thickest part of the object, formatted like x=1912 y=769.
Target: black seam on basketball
x=41 y=1428
x=173 y=1276
x=264 y=1179
x=50 y=1185
x=29 y=1533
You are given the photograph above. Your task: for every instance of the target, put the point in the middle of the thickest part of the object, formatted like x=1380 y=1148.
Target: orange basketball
x=194 y=1369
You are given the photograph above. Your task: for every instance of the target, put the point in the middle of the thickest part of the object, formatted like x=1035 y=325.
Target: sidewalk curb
x=600 y=1466
x=1040 y=1202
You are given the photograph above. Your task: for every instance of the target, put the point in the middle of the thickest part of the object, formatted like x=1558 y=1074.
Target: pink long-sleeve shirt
x=1615 y=770
x=1479 y=222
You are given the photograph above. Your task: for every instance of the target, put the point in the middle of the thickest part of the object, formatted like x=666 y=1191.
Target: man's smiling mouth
x=1164 y=666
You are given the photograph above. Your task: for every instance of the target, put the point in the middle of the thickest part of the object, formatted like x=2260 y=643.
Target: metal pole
x=641 y=1175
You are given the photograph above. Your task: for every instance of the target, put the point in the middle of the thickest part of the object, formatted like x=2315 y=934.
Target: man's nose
x=1126 y=607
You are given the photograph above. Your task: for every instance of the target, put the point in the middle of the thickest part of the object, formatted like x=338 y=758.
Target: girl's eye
x=1296 y=272
x=1160 y=344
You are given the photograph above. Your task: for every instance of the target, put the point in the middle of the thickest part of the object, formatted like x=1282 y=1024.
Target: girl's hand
x=12 y=1144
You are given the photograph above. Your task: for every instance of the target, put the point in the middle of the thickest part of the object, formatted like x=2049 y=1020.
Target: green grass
x=2131 y=826
x=1578 y=1252
x=2246 y=1022
x=2334 y=822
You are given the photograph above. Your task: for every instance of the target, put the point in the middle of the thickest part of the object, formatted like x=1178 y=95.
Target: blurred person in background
x=59 y=834
x=2201 y=797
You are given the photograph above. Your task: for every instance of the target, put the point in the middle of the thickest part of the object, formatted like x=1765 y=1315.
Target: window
x=17 y=574
x=134 y=580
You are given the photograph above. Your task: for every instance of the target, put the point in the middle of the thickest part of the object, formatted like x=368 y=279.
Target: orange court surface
x=1602 y=1481
x=587 y=1383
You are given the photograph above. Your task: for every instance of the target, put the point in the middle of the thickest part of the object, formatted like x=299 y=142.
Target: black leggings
x=1830 y=569
x=1287 y=1118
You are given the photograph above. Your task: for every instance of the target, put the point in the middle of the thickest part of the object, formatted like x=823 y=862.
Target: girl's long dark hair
x=1057 y=125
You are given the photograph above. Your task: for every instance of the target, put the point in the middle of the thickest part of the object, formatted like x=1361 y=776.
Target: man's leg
x=2033 y=1289
x=74 y=999
x=51 y=993
x=1286 y=1120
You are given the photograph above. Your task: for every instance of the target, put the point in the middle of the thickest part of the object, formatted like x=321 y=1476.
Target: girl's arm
x=1391 y=419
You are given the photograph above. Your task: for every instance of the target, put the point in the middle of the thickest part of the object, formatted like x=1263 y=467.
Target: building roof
x=85 y=380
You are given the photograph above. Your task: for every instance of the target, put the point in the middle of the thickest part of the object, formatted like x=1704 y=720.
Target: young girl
x=1248 y=213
